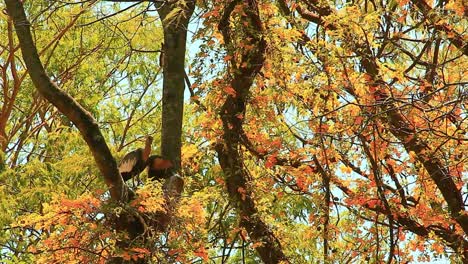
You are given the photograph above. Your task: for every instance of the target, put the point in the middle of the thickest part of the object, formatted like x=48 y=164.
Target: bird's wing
x=129 y=161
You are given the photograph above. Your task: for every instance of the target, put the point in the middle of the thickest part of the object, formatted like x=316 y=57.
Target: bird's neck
x=147 y=151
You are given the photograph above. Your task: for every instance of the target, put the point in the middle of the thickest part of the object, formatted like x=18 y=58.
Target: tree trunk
x=173 y=58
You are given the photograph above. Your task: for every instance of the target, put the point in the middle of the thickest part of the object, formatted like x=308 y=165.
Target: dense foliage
x=313 y=132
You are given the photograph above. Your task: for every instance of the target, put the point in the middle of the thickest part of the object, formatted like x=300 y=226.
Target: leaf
x=126 y=256
x=229 y=90
x=271 y=161
x=242 y=191
x=141 y=250
x=202 y=253
x=345 y=169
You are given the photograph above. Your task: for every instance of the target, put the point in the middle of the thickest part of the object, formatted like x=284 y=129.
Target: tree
x=66 y=104
x=175 y=18
x=131 y=222
x=316 y=132
x=343 y=103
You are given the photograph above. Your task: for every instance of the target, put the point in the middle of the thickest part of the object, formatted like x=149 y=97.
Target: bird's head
x=149 y=139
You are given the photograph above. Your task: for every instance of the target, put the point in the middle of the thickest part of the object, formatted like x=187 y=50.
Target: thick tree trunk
x=173 y=62
x=173 y=58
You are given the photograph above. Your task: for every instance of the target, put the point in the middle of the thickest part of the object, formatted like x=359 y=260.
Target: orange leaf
x=141 y=250
x=358 y=120
x=402 y=2
x=229 y=90
x=173 y=252
x=126 y=256
x=201 y=252
x=242 y=192
x=346 y=169
x=271 y=161
x=301 y=182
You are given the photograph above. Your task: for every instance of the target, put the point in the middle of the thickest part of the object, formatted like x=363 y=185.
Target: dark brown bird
x=134 y=163
x=159 y=168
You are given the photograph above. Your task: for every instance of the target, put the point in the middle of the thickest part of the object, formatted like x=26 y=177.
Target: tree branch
x=407 y=135
x=455 y=38
x=81 y=118
x=269 y=248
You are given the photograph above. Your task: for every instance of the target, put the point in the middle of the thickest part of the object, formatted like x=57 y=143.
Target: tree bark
x=173 y=62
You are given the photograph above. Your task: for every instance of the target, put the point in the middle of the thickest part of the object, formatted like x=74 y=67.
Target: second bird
x=135 y=162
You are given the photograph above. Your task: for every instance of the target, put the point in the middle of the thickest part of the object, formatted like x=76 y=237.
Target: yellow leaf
x=345 y=169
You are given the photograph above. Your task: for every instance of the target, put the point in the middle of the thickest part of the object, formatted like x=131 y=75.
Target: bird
x=159 y=168
x=133 y=163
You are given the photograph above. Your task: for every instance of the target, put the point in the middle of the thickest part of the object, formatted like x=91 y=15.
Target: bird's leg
x=139 y=180
x=134 y=183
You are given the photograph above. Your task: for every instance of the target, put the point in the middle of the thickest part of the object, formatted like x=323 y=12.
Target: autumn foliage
x=313 y=132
